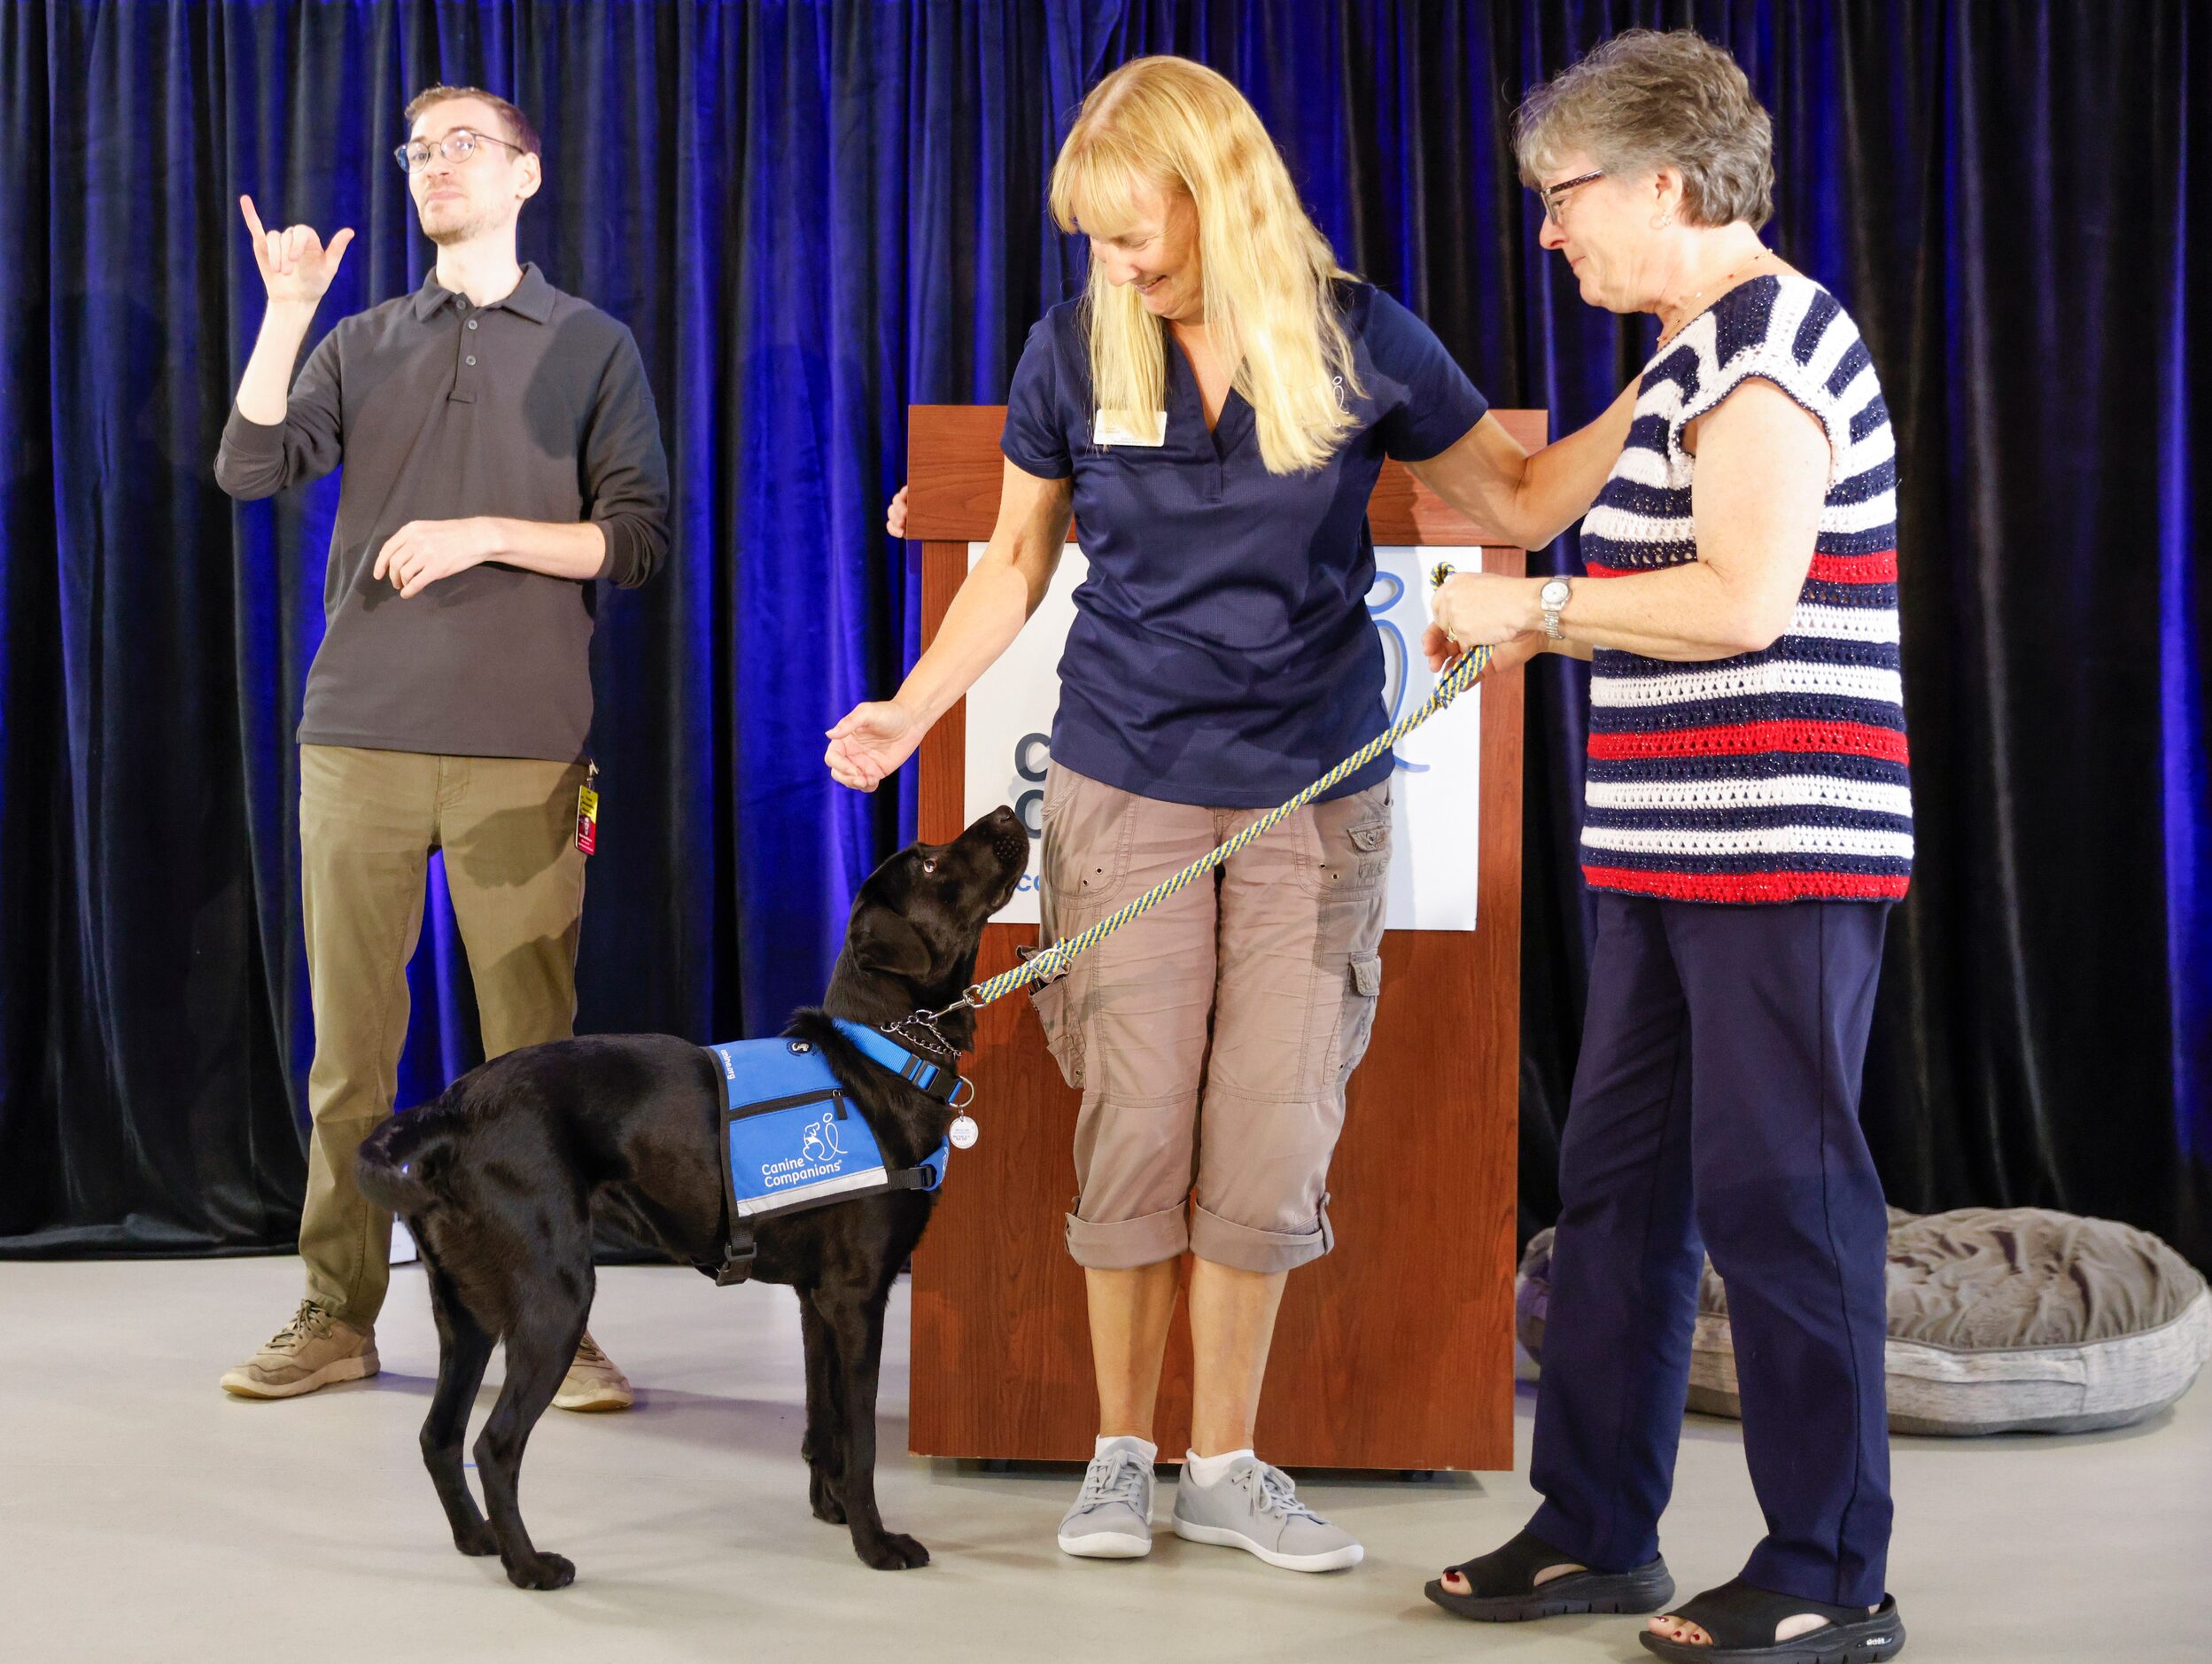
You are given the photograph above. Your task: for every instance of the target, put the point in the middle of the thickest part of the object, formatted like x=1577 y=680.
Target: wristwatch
x=1551 y=597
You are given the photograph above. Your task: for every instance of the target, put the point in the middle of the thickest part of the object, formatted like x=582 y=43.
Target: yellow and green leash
x=1050 y=962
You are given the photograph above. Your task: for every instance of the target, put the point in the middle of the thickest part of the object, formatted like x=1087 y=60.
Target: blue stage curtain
x=814 y=214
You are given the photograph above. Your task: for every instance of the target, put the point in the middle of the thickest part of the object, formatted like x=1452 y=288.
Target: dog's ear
x=885 y=942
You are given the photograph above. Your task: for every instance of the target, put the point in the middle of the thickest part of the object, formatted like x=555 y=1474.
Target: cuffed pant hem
x=1121 y=1245
x=344 y=1238
x=359 y=1302
x=1244 y=1248
x=358 y=1298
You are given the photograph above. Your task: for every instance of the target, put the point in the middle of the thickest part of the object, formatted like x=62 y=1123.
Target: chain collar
x=922 y=1027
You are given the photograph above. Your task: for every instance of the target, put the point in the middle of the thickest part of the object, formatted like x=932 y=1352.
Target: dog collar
x=941 y=1081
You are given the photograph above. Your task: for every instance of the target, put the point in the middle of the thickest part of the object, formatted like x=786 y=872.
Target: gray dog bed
x=2001 y=1320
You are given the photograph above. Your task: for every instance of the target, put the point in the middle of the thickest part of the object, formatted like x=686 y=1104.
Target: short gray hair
x=1643 y=99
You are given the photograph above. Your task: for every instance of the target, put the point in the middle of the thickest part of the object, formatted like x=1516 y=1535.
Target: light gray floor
x=145 y=1515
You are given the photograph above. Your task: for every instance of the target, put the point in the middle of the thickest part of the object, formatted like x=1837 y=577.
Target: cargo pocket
x=1088 y=831
x=1362 y=991
x=1354 y=837
x=1063 y=1038
x=1371 y=859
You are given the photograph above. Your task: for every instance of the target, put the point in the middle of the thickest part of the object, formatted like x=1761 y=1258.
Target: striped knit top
x=1773 y=776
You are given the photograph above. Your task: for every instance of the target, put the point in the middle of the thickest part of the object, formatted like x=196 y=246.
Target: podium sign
x=1436 y=798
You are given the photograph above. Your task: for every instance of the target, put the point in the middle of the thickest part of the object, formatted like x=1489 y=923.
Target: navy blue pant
x=1716 y=1108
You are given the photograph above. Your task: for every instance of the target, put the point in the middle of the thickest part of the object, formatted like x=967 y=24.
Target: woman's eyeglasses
x=1553 y=196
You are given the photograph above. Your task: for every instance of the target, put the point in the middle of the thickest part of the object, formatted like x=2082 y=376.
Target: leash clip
x=965 y=1002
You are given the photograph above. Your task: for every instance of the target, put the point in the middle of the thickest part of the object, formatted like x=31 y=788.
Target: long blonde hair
x=1266 y=270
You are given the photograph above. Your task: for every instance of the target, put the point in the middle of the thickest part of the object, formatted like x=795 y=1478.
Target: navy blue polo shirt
x=1223 y=652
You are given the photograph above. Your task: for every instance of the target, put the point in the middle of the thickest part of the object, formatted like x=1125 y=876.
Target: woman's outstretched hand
x=870 y=744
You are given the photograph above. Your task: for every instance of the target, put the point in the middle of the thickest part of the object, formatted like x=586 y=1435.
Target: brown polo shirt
x=534 y=407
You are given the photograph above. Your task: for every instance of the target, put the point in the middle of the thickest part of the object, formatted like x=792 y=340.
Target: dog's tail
x=405 y=1165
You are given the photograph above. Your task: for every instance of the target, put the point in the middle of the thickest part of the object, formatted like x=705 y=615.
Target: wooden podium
x=1393 y=1351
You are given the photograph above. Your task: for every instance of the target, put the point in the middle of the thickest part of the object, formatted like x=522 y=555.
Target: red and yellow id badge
x=588 y=814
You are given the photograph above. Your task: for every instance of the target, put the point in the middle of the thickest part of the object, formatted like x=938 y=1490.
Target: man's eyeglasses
x=456 y=146
x=1552 y=198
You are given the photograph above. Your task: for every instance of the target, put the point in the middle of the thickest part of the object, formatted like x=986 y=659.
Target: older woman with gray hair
x=1748 y=826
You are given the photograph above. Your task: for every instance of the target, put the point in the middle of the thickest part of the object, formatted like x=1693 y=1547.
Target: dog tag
x=962 y=1132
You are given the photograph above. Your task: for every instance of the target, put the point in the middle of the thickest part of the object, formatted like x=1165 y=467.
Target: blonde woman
x=1215 y=410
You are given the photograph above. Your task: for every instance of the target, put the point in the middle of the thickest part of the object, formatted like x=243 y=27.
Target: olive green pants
x=367 y=823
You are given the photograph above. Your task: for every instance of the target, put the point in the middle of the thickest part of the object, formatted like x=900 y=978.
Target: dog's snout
x=1009 y=837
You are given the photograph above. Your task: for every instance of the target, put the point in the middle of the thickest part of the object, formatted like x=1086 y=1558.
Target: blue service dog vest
x=792 y=1141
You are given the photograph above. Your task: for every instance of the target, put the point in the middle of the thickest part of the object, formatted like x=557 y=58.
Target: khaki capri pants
x=1211 y=1038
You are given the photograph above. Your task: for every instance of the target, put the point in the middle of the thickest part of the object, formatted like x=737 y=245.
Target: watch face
x=1553 y=594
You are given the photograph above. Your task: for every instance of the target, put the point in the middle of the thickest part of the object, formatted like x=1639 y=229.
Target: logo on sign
x=1389 y=590
x=1026 y=791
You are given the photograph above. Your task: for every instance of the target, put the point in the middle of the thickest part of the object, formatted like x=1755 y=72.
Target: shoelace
x=1277 y=1494
x=1117 y=1476
x=310 y=1322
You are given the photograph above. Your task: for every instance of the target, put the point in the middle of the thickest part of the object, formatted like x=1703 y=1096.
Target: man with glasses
x=501 y=456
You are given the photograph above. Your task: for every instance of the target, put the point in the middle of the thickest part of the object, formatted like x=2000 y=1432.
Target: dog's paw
x=823 y=1495
x=893 y=1551
x=476 y=1541
x=542 y=1571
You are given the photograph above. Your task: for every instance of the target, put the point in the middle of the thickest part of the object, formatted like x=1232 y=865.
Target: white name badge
x=1130 y=427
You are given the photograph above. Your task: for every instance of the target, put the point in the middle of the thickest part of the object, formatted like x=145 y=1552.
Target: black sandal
x=1741 y=1622
x=1503 y=1589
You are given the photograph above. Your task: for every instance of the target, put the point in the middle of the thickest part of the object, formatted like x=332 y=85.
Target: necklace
x=1721 y=282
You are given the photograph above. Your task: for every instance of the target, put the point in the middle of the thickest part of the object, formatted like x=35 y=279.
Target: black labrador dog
x=496 y=1181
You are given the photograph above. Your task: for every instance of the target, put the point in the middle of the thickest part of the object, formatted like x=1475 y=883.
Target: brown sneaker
x=315 y=1349
x=593 y=1382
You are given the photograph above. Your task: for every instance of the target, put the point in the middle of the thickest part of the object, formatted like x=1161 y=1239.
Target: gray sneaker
x=1113 y=1516
x=1256 y=1508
